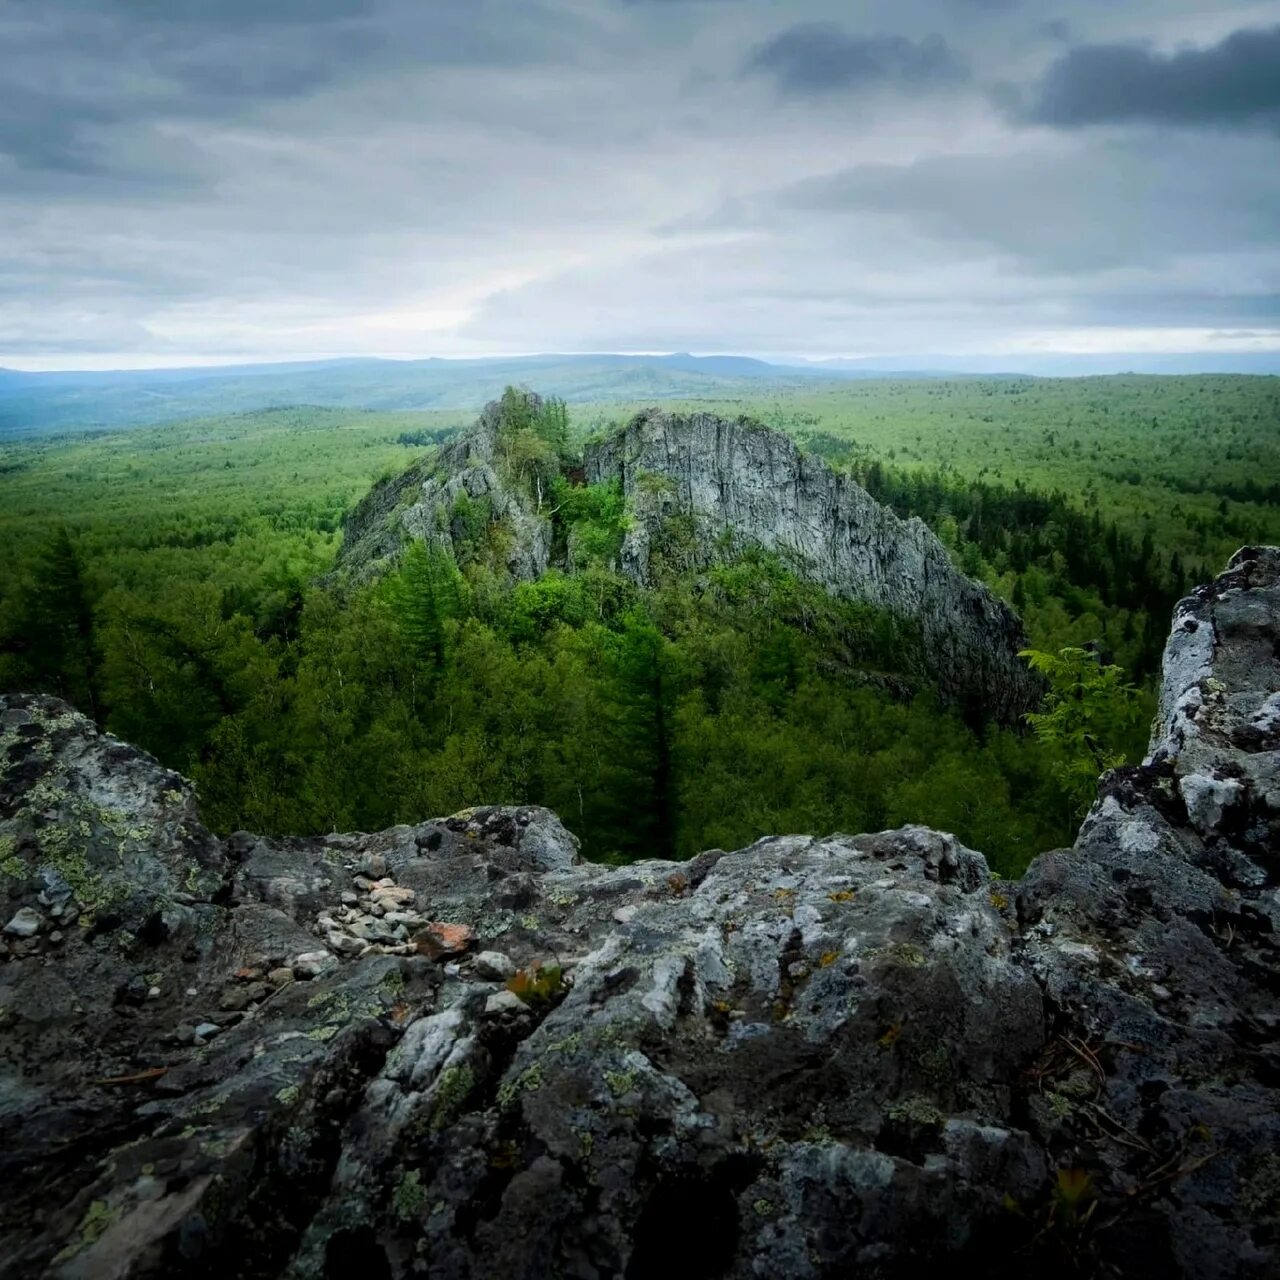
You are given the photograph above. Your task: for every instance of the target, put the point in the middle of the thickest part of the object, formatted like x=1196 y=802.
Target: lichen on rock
x=812 y=1057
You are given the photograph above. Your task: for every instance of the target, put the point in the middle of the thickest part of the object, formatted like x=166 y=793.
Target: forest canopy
x=171 y=583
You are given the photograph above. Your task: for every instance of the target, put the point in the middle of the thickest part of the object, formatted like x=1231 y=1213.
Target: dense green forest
x=170 y=581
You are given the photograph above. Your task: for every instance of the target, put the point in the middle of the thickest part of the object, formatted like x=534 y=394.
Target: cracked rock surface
x=746 y=484
x=456 y=1050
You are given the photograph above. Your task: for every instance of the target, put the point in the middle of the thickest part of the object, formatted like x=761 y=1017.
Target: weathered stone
x=314 y=964
x=813 y=1057
x=25 y=923
x=373 y=865
x=440 y=939
x=493 y=966
x=503 y=1003
x=391 y=896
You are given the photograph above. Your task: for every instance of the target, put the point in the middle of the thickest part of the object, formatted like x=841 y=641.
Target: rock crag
x=735 y=484
x=456 y=1050
x=422 y=503
x=698 y=489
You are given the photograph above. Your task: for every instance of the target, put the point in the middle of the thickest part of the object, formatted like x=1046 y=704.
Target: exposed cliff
x=808 y=1058
x=425 y=501
x=699 y=489
x=699 y=486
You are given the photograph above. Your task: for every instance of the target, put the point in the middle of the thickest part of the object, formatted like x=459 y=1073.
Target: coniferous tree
x=52 y=640
x=425 y=594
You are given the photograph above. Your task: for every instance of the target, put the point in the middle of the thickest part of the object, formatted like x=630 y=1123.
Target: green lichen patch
x=916 y=1110
x=620 y=1082
x=452 y=1090
x=527 y=1081
x=97 y=1219
x=409 y=1196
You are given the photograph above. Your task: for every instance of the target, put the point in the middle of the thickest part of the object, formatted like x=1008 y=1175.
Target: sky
x=189 y=181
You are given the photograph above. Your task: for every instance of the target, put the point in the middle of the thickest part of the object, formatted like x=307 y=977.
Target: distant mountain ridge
x=37 y=403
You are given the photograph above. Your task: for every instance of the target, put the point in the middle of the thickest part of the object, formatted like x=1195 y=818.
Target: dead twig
x=141 y=1078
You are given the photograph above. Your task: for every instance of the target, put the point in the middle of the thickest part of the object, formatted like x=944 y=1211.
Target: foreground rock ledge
x=810 y=1058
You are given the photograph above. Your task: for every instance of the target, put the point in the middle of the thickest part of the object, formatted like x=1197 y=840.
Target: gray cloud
x=821 y=58
x=121 y=64
x=1102 y=207
x=1234 y=81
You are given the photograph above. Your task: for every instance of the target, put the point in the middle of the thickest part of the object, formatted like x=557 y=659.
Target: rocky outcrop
x=698 y=486
x=423 y=502
x=456 y=1050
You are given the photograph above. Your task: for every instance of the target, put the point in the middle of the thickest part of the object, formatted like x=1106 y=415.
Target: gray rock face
x=422 y=501
x=1156 y=940
x=808 y=1058
x=737 y=484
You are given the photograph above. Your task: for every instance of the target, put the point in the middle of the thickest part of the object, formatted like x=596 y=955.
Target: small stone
x=191 y=991
x=345 y=944
x=373 y=865
x=313 y=964
x=280 y=977
x=440 y=939
x=493 y=966
x=184 y=1033
x=371 y=930
x=26 y=923
x=504 y=1002
x=56 y=936
x=362 y=882
x=402 y=917
x=205 y=1031
x=452 y=969
x=625 y=915
x=395 y=896
x=153 y=993
x=386 y=882
x=234 y=998
x=350 y=897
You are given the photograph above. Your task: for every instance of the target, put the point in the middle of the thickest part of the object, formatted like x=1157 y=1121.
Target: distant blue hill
x=37 y=403
x=34 y=403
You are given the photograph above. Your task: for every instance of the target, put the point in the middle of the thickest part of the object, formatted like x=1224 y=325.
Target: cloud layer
x=279 y=178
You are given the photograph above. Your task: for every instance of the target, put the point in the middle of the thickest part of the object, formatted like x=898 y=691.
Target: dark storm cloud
x=819 y=58
x=1234 y=82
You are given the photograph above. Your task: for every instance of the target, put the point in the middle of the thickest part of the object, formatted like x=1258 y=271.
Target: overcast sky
x=267 y=179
